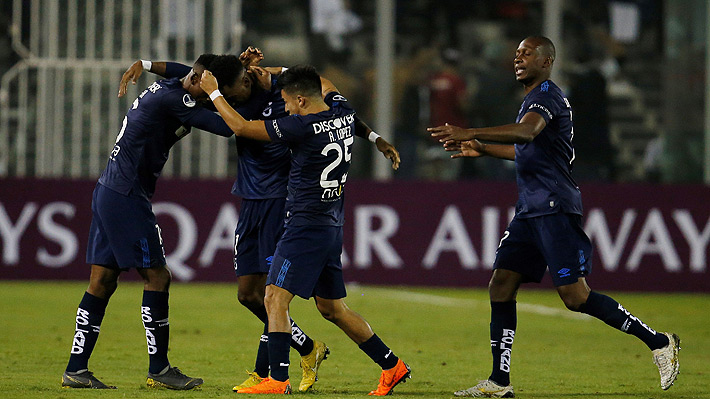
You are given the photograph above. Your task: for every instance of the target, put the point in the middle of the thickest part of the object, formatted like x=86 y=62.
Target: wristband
x=373 y=137
x=215 y=94
x=147 y=64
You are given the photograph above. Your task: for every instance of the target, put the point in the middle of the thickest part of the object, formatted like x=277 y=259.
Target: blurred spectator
x=443 y=100
x=411 y=121
x=499 y=95
x=332 y=24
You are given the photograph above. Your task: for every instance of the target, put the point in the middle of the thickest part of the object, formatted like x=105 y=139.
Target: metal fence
x=59 y=110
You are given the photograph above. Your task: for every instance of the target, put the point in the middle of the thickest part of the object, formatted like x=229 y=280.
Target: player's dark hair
x=300 y=79
x=547 y=48
x=226 y=68
x=206 y=60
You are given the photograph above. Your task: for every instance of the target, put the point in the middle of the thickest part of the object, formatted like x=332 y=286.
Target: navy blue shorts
x=123 y=233
x=261 y=223
x=307 y=262
x=556 y=241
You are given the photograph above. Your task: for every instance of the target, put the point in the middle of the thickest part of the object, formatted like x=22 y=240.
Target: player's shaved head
x=300 y=79
x=544 y=46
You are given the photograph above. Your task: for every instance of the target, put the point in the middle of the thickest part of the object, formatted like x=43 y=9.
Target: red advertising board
x=646 y=237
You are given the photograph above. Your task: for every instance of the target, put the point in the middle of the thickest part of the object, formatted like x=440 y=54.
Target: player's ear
x=547 y=62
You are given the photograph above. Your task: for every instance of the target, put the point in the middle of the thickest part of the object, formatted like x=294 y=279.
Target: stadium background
x=635 y=73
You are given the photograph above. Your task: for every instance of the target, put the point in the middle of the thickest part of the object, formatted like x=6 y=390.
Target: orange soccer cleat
x=391 y=377
x=268 y=385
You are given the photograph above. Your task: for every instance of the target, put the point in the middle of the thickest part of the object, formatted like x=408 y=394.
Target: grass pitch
x=441 y=333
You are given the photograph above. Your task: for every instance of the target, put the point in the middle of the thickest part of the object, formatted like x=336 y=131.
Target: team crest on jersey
x=339 y=97
x=267 y=111
x=188 y=101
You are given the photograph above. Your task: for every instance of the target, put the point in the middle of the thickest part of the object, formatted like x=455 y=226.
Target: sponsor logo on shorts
x=564 y=272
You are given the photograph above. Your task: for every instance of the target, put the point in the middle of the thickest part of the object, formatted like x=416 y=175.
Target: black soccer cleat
x=83 y=379
x=173 y=378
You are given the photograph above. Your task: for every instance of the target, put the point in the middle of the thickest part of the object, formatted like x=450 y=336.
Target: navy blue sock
x=504 y=320
x=154 y=313
x=299 y=340
x=612 y=313
x=262 y=355
x=379 y=352
x=89 y=315
x=278 y=355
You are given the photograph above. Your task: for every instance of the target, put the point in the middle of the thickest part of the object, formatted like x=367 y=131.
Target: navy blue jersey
x=543 y=166
x=320 y=146
x=262 y=167
x=160 y=116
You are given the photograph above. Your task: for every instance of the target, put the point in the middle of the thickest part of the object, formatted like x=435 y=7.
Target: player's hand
x=131 y=75
x=251 y=56
x=450 y=132
x=388 y=151
x=469 y=148
x=208 y=82
x=261 y=76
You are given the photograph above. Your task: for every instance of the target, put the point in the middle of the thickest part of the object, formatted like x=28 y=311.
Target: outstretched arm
x=522 y=132
x=475 y=148
x=241 y=127
x=364 y=131
x=161 y=68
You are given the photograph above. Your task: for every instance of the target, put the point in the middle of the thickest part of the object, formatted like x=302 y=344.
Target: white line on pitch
x=429 y=299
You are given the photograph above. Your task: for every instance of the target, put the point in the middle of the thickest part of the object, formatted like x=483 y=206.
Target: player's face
x=192 y=83
x=528 y=62
x=293 y=107
x=241 y=90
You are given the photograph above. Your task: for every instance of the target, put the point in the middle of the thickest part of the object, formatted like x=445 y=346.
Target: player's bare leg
x=394 y=370
x=665 y=346
x=251 y=292
x=103 y=282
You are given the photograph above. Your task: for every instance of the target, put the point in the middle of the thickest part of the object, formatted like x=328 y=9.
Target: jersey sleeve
x=181 y=105
x=290 y=129
x=545 y=104
x=176 y=70
x=336 y=99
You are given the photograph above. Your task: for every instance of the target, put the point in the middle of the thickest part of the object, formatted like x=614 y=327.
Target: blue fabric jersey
x=320 y=145
x=160 y=116
x=262 y=167
x=543 y=166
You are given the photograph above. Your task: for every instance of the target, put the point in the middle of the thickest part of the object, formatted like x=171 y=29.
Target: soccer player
x=261 y=182
x=307 y=258
x=546 y=231
x=124 y=234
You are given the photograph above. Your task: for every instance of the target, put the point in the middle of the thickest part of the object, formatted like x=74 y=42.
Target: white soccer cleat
x=487 y=389
x=666 y=359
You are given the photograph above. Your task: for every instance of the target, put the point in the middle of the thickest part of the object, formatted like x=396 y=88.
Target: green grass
x=441 y=333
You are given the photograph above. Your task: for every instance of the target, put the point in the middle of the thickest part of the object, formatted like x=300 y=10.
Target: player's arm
x=161 y=68
x=522 y=132
x=363 y=130
x=241 y=127
x=475 y=148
